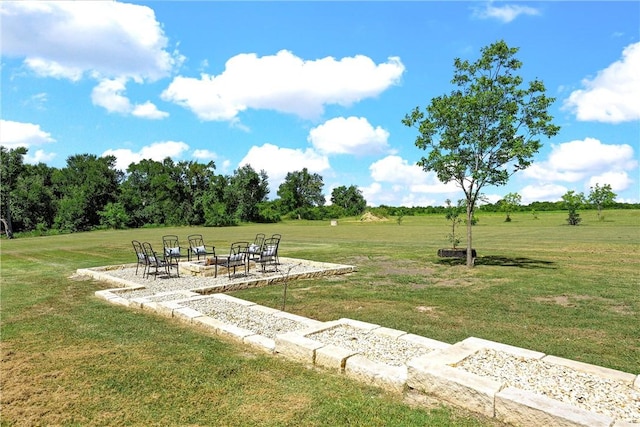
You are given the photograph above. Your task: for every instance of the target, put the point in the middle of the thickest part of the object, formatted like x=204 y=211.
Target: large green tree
x=194 y=181
x=247 y=189
x=84 y=187
x=33 y=204
x=165 y=192
x=300 y=192
x=486 y=129
x=350 y=199
x=11 y=166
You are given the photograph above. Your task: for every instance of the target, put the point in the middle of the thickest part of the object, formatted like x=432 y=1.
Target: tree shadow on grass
x=502 y=261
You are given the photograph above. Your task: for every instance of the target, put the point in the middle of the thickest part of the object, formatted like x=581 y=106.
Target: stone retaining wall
x=435 y=373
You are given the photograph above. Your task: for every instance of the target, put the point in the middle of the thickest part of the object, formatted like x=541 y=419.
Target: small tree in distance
x=486 y=129
x=509 y=204
x=601 y=197
x=573 y=201
x=452 y=213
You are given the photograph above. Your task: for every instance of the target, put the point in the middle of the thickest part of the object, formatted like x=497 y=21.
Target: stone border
x=432 y=374
x=299 y=346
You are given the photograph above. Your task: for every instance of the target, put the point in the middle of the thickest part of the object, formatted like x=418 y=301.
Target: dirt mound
x=369 y=217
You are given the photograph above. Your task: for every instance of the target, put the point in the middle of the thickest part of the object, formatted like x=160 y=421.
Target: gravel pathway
x=567 y=385
x=265 y=324
x=376 y=347
x=587 y=391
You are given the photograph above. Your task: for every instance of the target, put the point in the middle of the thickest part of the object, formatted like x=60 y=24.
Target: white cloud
x=204 y=155
x=284 y=83
x=109 y=94
x=412 y=200
x=396 y=170
x=68 y=39
x=575 y=160
x=157 y=151
x=351 y=135
x=371 y=192
x=19 y=134
x=542 y=193
x=40 y=156
x=410 y=184
x=619 y=181
x=148 y=111
x=277 y=162
x=505 y=13
x=613 y=96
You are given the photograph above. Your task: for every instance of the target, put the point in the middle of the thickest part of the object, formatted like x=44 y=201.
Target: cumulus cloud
x=505 y=13
x=39 y=156
x=204 y=155
x=19 y=134
x=351 y=135
x=109 y=41
x=283 y=82
x=157 y=151
x=148 y=110
x=395 y=169
x=619 y=181
x=613 y=96
x=109 y=94
x=577 y=160
x=542 y=193
x=277 y=162
x=68 y=39
x=409 y=180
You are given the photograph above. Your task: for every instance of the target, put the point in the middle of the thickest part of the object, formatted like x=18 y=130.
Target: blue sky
x=322 y=85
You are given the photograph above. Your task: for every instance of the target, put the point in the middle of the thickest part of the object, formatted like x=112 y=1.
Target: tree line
x=90 y=192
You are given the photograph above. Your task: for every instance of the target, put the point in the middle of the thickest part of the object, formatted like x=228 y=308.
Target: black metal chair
x=141 y=257
x=198 y=248
x=157 y=263
x=238 y=257
x=269 y=254
x=172 y=250
x=255 y=247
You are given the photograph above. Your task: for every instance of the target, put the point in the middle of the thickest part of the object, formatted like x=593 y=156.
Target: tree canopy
x=601 y=197
x=350 y=199
x=301 y=191
x=90 y=192
x=486 y=129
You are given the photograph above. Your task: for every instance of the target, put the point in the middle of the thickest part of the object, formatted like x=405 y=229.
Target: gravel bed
x=161 y=283
x=168 y=297
x=587 y=391
x=376 y=347
x=267 y=325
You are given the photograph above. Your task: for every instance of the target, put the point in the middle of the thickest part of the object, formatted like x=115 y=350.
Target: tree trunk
x=470 y=260
x=7 y=228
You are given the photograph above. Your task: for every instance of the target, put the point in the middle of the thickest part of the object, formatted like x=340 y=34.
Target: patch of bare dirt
x=39 y=388
x=429 y=311
x=402 y=267
x=369 y=217
x=574 y=300
x=562 y=300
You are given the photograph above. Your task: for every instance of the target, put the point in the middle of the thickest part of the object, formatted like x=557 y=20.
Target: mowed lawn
x=69 y=358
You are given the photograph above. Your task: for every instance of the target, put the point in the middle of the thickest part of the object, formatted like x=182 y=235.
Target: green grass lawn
x=69 y=358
